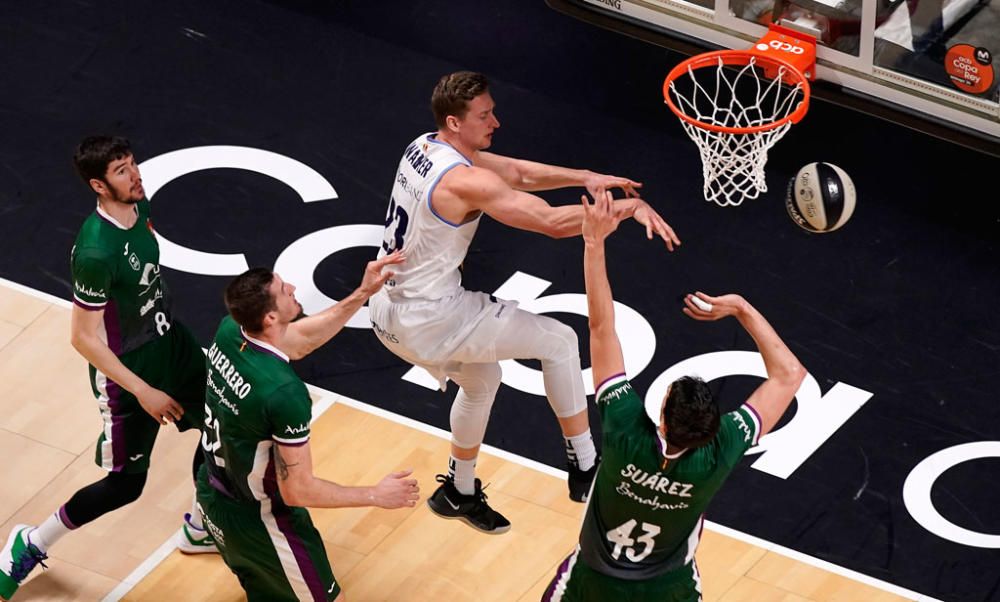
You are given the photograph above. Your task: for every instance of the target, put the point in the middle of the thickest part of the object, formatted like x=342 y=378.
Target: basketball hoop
x=736 y=104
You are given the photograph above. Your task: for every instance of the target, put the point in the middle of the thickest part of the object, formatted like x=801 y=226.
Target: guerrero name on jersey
x=254 y=400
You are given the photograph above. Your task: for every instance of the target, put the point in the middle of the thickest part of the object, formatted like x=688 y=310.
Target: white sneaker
x=17 y=559
x=192 y=540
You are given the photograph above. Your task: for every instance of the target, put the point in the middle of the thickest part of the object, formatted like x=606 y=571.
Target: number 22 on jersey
x=211 y=438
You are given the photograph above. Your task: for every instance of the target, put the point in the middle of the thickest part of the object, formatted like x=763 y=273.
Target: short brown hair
x=95 y=153
x=453 y=92
x=248 y=298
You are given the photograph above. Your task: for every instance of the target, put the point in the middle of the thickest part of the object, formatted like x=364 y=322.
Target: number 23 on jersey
x=396 y=222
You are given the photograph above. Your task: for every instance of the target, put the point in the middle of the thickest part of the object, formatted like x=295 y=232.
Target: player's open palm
x=397 y=491
x=648 y=217
x=707 y=308
x=375 y=273
x=162 y=407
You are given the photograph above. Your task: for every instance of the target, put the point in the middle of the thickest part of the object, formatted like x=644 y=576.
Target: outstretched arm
x=300 y=487
x=599 y=221
x=308 y=334
x=532 y=176
x=784 y=372
x=483 y=190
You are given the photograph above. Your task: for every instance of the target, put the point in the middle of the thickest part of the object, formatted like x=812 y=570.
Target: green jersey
x=645 y=513
x=253 y=401
x=117 y=270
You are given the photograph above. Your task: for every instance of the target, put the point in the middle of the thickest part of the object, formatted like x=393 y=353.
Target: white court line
x=36 y=294
x=328 y=398
x=711 y=526
x=140 y=572
x=433 y=430
x=324 y=403
x=818 y=563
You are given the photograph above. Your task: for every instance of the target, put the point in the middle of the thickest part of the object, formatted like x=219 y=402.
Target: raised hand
x=648 y=217
x=374 y=276
x=707 y=308
x=600 y=219
x=598 y=183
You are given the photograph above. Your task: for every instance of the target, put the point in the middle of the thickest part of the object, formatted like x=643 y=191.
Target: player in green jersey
x=258 y=476
x=644 y=518
x=146 y=368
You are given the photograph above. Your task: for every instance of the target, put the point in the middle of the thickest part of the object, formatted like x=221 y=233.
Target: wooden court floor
x=49 y=423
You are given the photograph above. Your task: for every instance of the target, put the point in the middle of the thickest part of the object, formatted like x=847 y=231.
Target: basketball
x=821 y=197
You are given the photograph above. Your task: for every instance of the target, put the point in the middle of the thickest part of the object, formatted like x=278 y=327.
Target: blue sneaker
x=18 y=558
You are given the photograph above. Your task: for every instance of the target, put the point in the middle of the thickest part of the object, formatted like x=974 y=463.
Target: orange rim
x=738 y=57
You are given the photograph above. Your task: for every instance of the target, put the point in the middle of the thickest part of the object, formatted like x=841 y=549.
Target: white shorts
x=462 y=328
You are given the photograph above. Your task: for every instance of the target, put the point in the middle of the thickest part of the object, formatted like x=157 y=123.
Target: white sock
x=49 y=532
x=464 y=473
x=581 y=451
x=195 y=520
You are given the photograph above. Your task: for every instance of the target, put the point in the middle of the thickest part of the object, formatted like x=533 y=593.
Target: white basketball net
x=733 y=164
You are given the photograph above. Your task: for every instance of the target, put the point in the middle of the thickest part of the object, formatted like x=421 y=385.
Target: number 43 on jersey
x=621 y=536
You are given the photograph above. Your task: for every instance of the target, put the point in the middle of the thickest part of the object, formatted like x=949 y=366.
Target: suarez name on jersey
x=645 y=515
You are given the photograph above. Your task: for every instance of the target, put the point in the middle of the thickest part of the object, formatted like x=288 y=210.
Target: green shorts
x=275 y=552
x=174 y=364
x=577 y=582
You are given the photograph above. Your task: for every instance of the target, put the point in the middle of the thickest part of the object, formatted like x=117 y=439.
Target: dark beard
x=127 y=200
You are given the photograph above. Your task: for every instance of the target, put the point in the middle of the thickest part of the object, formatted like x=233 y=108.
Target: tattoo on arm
x=282 y=466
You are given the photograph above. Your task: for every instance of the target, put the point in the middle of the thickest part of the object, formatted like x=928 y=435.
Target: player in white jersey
x=445 y=182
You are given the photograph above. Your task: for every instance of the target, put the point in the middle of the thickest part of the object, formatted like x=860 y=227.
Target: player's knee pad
x=479 y=382
x=470 y=411
x=490 y=376
x=124 y=488
x=468 y=420
x=561 y=369
x=560 y=342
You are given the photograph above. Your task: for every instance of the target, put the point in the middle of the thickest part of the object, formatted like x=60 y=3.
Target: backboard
x=929 y=64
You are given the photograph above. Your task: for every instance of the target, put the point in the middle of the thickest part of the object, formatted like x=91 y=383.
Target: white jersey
x=435 y=247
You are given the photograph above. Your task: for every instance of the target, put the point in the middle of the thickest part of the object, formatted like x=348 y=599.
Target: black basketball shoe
x=447 y=502
x=580 y=480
